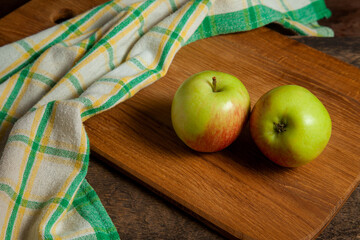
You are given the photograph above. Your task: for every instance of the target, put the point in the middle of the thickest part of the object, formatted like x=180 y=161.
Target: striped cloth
x=53 y=81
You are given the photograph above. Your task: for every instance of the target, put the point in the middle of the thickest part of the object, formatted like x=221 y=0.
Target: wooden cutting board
x=236 y=191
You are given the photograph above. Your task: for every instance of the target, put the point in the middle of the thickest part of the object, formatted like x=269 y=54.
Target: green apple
x=290 y=125
x=209 y=110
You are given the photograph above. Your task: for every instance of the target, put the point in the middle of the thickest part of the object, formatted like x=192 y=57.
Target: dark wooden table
x=140 y=214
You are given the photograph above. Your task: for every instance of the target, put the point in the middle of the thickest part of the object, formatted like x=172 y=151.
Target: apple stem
x=214 y=84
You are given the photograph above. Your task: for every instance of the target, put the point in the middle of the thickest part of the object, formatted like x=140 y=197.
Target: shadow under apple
x=152 y=127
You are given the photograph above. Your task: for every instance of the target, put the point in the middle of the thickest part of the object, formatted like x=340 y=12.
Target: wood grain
x=244 y=194
x=238 y=190
x=38 y=15
x=345 y=225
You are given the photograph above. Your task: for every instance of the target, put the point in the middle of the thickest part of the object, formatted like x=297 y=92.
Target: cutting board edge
x=338 y=206
x=104 y=157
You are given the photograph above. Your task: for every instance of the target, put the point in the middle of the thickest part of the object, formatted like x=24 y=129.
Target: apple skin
x=209 y=121
x=306 y=122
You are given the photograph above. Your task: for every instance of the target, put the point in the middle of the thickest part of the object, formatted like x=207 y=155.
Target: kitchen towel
x=54 y=80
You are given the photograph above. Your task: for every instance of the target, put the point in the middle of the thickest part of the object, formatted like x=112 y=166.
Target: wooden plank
x=237 y=190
